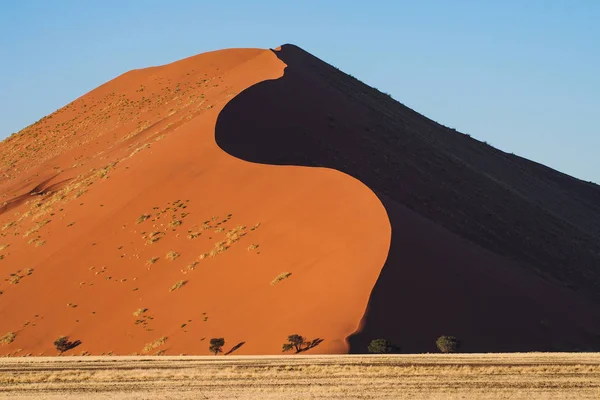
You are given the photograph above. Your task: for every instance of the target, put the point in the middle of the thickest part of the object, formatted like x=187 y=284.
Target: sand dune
x=251 y=194
x=103 y=190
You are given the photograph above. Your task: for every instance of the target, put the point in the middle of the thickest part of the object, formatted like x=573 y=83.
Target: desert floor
x=464 y=376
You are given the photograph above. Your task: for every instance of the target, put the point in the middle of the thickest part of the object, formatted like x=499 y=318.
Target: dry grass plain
x=463 y=376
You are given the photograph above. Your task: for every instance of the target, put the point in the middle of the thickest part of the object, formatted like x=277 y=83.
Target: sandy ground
x=465 y=376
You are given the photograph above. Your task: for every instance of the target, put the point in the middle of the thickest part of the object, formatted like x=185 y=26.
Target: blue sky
x=521 y=75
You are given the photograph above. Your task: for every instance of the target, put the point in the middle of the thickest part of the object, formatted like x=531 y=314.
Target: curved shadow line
x=255 y=106
x=316 y=116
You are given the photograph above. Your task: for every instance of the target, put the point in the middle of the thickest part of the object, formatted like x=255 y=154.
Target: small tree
x=382 y=346
x=216 y=345
x=62 y=344
x=294 y=342
x=447 y=344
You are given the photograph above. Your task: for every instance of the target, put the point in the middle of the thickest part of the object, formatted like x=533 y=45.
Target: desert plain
x=427 y=376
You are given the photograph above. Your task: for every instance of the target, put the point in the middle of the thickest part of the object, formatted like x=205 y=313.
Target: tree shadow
x=70 y=345
x=40 y=189
x=234 y=348
x=310 y=345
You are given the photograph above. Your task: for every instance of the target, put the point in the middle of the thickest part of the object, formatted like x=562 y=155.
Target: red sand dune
x=252 y=163
x=143 y=143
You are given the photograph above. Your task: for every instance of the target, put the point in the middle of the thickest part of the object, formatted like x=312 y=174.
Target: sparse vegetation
x=154 y=237
x=281 y=277
x=153 y=345
x=8 y=338
x=36 y=228
x=142 y=218
x=177 y=285
x=216 y=345
x=139 y=311
x=152 y=260
x=193 y=235
x=175 y=223
x=171 y=255
x=8 y=225
x=192 y=266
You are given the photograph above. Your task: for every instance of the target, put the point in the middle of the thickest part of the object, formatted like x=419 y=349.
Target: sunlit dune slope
x=125 y=227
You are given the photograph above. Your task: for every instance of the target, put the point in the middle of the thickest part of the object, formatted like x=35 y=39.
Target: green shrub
x=447 y=344
x=382 y=346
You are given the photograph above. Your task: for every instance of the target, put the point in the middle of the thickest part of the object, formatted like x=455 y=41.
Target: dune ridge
x=143 y=237
x=487 y=246
x=251 y=194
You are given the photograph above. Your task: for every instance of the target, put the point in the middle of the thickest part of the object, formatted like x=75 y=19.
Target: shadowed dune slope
x=125 y=227
x=502 y=252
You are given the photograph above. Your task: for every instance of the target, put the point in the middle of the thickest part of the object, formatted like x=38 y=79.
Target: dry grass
x=142 y=218
x=281 y=277
x=175 y=223
x=36 y=228
x=8 y=225
x=8 y=338
x=157 y=343
x=139 y=311
x=177 y=285
x=193 y=235
x=154 y=237
x=485 y=376
x=152 y=260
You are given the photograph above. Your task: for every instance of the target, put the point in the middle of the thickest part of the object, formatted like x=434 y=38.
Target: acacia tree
x=447 y=344
x=216 y=345
x=294 y=342
x=382 y=346
x=63 y=344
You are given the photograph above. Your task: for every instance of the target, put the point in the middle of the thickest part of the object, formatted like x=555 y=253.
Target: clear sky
x=523 y=75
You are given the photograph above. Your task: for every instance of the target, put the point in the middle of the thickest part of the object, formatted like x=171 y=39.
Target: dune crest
x=129 y=230
x=483 y=246
x=253 y=194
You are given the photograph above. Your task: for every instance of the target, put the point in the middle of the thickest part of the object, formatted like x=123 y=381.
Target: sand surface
x=121 y=202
